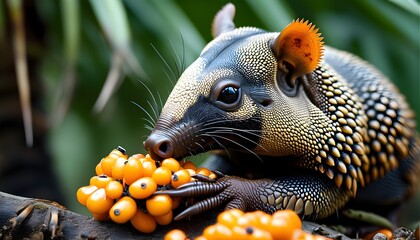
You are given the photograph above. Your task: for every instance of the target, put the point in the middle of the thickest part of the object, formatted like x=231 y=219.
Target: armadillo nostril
x=164 y=149
x=159 y=146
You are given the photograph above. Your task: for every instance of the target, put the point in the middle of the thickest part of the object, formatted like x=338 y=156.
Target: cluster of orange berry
x=235 y=224
x=123 y=186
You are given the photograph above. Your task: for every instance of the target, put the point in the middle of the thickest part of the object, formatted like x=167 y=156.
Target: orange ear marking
x=300 y=45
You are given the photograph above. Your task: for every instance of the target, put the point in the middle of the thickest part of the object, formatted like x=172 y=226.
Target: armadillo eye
x=226 y=95
x=229 y=95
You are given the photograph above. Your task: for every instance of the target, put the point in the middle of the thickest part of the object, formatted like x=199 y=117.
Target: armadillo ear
x=223 y=21
x=298 y=49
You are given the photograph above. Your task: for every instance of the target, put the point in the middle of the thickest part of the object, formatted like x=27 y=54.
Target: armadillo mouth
x=175 y=142
x=178 y=140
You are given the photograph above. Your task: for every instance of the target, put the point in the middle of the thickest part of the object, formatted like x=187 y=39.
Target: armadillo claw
x=193 y=189
x=224 y=191
x=22 y=215
x=52 y=218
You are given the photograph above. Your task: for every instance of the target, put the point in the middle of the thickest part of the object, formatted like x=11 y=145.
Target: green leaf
x=113 y=20
x=275 y=14
x=408 y=5
x=71 y=28
x=171 y=23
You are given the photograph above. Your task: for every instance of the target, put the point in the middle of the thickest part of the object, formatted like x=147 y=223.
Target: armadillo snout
x=159 y=146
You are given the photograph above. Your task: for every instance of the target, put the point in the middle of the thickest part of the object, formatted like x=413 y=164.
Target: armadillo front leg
x=308 y=195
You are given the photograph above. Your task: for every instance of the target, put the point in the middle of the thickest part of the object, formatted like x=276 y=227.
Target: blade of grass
x=71 y=31
x=171 y=23
x=274 y=14
x=71 y=28
x=111 y=83
x=408 y=5
x=113 y=20
x=19 y=47
x=112 y=17
x=403 y=25
x=177 y=20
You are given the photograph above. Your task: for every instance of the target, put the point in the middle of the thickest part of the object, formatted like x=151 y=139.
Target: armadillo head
x=242 y=93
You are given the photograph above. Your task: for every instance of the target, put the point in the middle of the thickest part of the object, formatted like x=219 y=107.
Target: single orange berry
x=290 y=216
x=227 y=218
x=203 y=171
x=119 y=152
x=180 y=177
x=98 y=169
x=212 y=175
x=283 y=224
x=133 y=170
x=84 y=192
x=142 y=188
x=100 y=181
x=159 y=205
x=189 y=165
x=118 y=169
x=114 y=189
x=149 y=166
x=162 y=175
x=164 y=219
x=123 y=210
x=137 y=156
x=107 y=163
x=384 y=231
x=217 y=231
x=143 y=222
x=175 y=234
x=98 y=202
x=171 y=163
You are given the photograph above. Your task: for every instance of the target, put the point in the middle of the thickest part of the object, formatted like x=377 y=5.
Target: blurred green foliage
x=385 y=33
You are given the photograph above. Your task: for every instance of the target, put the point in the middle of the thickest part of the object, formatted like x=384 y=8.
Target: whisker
x=178 y=68
x=227 y=120
x=153 y=109
x=238 y=144
x=148 y=121
x=183 y=62
x=151 y=94
x=196 y=143
x=248 y=131
x=220 y=144
x=164 y=61
x=148 y=127
x=168 y=77
x=247 y=139
x=144 y=110
x=253 y=132
x=160 y=100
